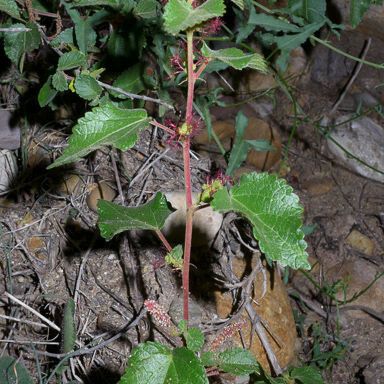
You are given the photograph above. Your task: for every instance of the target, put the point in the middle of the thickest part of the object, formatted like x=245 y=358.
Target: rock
x=358 y=274
x=98 y=191
x=274 y=310
x=255 y=81
x=69 y=184
x=256 y=130
x=9 y=134
x=372 y=23
x=318 y=185
x=364 y=139
x=360 y=242
x=8 y=169
x=206 y=222
x=373 y=373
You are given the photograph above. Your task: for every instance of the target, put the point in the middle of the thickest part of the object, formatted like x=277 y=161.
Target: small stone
x=35 y=243
x=8 y=169
x=206 y=222
x=69 y=184
x=98 y=191
x=318 y=185
x=358 y=144
x=360 y=242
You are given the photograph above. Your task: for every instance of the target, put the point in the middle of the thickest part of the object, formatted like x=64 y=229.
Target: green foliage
x=13 y=372
x=68 y=328
x=105 y=125
x=59 y=81
x=130 y=81
x=179 y=15
x=114 y=219
x=241 y=146
x=358 y=9
x=275 y=213
x=175 y=257
x=236 y=58
x=16 y=44
x=237 y=361
x=193 y=336
x=71 y=60
x=87 y=87
x=47 y=93
x=10 y=7
x=306 y=375
x=154 y=363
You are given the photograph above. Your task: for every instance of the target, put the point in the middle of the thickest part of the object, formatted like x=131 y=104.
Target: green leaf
x=358 y=9
x=194 y=339
x=71 y=60
x=261 y=145
x=208 y=359
x=12 y=372
x=130 y=81
x=85 y=35
x=238 y=362
x=47 y=93
x=154 y=363
x=69 y=327
x=87 y=87
x=59 y=81
x=240 y=146
x=272 y=23
x=18 y=43
x=239 y=3
x=313 y=11
x=179 y=15
x=87 y=3
x=64 y=37
x=146 y=9
x=289 y=42
x=175 y=257
x=275 y=213
x=114 y=218
x=236 y=58
x=10 y=7
x=104 y=125
x=307 y=375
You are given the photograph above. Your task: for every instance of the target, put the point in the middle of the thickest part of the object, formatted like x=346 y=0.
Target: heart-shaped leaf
x=104 y=125
x=154 y=363
x=180 y=15
x=275 y=213
x=114 y=218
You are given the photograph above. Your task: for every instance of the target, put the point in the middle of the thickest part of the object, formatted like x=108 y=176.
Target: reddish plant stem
x=187 y=178
x=164 y=240
x=161 y=126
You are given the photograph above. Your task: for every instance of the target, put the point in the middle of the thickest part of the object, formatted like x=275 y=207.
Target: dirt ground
x=51 y=249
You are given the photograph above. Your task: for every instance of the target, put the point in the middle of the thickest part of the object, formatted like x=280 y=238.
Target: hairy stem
x=187 y=178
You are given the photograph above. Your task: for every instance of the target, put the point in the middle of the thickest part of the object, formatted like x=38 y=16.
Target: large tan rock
x=257 y=129
x=275 y=312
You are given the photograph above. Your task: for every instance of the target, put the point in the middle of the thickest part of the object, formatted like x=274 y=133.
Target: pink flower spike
x=227 y=333
x=158 y=313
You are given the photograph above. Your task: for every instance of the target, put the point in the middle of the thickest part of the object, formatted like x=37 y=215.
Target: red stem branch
x=187 y=178
x=164 y=240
